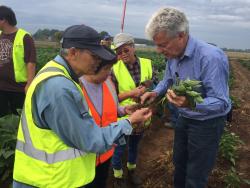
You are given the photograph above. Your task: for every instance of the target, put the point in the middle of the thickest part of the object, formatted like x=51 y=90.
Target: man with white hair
x=197 y=131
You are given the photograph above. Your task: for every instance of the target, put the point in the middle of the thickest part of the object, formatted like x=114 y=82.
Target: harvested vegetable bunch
x=188 y=88
x=181 y=88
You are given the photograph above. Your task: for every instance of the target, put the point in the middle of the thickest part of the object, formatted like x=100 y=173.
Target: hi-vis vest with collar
x=125 y=80
x=42 y=159
x=19 y=64
x=112 y=47
x=109 y=112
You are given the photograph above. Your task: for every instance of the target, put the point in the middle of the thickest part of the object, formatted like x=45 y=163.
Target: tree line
x=55 y=35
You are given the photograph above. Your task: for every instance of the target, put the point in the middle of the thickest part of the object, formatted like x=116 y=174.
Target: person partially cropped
x=17 y=62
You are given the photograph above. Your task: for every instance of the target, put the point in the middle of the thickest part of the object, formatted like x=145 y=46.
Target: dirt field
x=238 y=55
x=155 y=156
x=241 y=116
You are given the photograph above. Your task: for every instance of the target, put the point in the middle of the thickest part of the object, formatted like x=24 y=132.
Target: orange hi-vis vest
x=109 y=113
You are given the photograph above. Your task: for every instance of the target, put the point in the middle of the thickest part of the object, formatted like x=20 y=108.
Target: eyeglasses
x=125 y=50
x=166 y=44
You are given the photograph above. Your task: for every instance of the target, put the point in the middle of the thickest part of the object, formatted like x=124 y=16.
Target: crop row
x=46 y=54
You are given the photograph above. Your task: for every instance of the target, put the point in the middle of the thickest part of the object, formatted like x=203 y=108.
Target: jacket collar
x=62 y=61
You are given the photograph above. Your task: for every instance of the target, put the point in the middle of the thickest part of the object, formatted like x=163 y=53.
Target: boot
x=119 y=183
x=133 y=178
x=118 y=179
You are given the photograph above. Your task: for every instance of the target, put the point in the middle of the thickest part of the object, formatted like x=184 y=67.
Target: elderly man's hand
x=148 y=96
x=140 y=116
x=179 y=101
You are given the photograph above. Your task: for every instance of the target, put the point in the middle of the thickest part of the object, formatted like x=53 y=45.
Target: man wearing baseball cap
x=107 y=41
x=57 y=138
x=129 y=75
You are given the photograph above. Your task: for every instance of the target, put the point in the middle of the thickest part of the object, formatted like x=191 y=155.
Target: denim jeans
x=133 y=141
x=195 y=149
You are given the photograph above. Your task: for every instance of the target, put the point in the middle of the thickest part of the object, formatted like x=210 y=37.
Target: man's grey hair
x=65 y=51
x=167 y=19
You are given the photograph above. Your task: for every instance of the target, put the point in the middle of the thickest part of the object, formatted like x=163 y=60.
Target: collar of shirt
x=62 y=61
x=189 y=50
x=132 y=65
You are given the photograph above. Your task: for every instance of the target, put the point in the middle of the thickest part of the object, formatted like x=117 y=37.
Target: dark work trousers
x=133 y=142
x=10 y=102
x=195 y=149
x=101 y=176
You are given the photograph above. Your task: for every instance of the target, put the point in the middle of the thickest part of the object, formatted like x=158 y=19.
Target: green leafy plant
x=228 y=146
x=235 y=101
x=245 y=63
x=233 y=180
x=188 y=88
x=228 y=149
x=8 y=135
x=44 y=55
x=231 y=78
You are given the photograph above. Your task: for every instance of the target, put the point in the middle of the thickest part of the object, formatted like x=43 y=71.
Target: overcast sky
x=223 y=22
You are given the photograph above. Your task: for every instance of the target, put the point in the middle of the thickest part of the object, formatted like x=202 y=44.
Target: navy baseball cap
x=107 y=37
x=85 y=37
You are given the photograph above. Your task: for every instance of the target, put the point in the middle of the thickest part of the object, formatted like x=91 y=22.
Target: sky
x=225 y=23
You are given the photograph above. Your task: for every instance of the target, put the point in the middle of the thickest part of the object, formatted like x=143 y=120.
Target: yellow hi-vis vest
x=124 y=79
x=112 y=47
x=19 y=64
x=41 y=157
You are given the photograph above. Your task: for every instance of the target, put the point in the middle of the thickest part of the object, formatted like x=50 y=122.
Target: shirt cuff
x=126 y=126
x=121 y=111
x=157 y=91
x=121 y=141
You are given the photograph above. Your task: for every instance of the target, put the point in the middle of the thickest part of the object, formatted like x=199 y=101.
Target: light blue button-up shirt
x=209 y=64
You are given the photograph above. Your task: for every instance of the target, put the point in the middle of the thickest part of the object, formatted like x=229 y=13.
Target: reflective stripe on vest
x=28 y=148
x=20 y=68
x=109 y=113
x=125 y=80
x=41 y=158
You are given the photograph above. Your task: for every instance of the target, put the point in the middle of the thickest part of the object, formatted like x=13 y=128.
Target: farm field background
x=155 y=154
